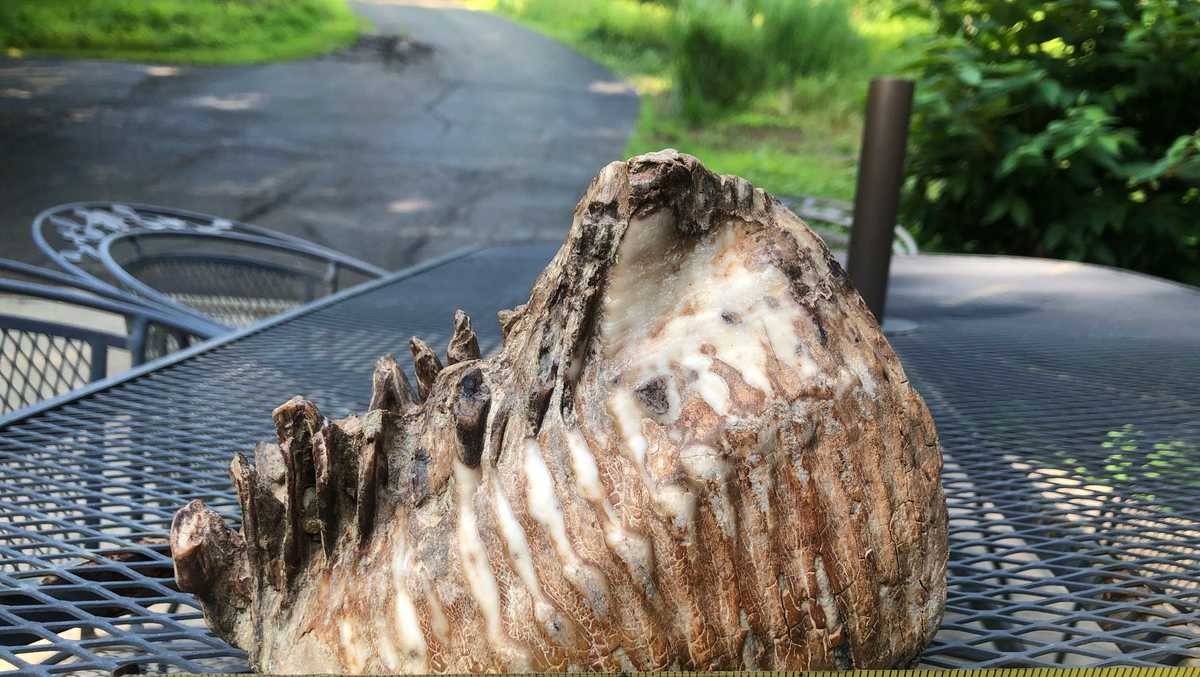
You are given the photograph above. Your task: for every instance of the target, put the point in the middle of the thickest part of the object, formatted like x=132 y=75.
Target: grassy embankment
x=180 y=31
x=797 y=133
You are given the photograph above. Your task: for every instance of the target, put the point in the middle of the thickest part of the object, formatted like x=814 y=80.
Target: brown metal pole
x=877 y=194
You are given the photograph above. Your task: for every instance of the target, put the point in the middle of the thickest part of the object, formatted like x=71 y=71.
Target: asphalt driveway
x=390 y=152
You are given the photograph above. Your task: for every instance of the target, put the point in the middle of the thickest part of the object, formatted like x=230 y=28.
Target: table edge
x=43 y=406
x=11 y=418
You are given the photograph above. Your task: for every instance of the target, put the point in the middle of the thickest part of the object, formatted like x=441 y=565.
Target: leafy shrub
x=726 y=51
x=1064 y=128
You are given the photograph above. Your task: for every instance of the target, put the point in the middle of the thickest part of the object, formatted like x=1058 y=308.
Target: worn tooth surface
x=463 y=345
x=507 y=317
x=426 y=366
x=296 y=419
x=200 y=545
x=210 y=561
x=694 y=450
x=324 y=462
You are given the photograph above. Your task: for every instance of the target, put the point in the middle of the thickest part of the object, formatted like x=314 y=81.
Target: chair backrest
x=231 y=278
x=42 y=357
x=71 y=234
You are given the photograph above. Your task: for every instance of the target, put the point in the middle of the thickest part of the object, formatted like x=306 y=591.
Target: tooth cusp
x=464 y=345
x=390 y=389
x=296 y=419
x=426 y=366
x=508 y=318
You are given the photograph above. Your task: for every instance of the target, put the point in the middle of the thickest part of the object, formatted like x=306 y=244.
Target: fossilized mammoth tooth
x=695 y=449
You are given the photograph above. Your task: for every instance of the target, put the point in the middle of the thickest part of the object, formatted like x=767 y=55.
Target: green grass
x=801 y=142
x=801 y=138
x=179 y=31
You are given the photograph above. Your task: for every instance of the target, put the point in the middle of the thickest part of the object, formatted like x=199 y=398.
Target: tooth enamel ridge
x=694 y=450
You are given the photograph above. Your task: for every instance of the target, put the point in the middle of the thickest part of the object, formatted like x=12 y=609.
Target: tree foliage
x=1064 y=128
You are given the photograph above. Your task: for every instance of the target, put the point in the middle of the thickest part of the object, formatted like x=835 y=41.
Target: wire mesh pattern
x=236 y=311
x=234 y=294
x=1072 y=466
x=1072 y=482
x=233 y=283
x=39 y=366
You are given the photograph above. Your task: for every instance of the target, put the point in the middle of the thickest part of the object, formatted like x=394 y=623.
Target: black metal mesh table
x=1067 y=398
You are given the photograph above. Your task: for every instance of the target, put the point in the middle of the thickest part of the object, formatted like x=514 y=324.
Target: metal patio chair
x=833 y=219
x=43 y=353
x=194 y=264
x=234 y=279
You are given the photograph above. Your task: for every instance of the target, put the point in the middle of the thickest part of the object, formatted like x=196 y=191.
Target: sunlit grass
x=800 y=139
x=182 y=31
x=627 y=36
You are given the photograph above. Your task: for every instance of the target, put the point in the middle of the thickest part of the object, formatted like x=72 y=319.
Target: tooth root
x=261 y=488
x=297 y=423
x=471 y=406
x=324 y=468
x=293 y=511
x=464 y=345
x=426 y=366
x=210 y=559
x=507 y=318
x=390 y=390
x=245 y=482
x=372 y=473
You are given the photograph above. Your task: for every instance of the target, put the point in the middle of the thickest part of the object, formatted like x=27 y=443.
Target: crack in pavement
x=290 y=189
x=432 y=105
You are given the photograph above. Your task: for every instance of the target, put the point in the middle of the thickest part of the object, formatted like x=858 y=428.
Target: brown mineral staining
x=694 y=450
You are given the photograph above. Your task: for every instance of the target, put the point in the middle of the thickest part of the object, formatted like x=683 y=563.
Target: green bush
x=718 y=58
x=727 y=51
x=807 y=37
x=1063 y=128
